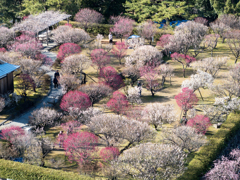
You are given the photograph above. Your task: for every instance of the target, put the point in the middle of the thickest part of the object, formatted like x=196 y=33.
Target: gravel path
x=53 y=96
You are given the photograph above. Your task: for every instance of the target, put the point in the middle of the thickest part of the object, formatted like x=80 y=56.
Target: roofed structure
x=6 y=77
x=40 y=22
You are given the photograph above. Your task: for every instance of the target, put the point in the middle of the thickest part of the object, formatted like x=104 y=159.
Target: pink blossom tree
x=185 y=60
x=123 y=27
x=150 y=75
x=186 y=100
x=109 y=153
x=200 y=123
x=11 y=132
x=118 y=103
x=100 y=58
x=111 y=78
x=75 y=99
x=147 y=30
x=120 y=50
x=71 y=127
x=164 y=40
x=80 y=147
x=87 y=17
x=68 y=49
x=27 y=45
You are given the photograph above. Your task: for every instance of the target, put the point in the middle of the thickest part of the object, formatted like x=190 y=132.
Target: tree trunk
x=152 y=91
x=223 y=39
x=126 y=147
x=155 y=126
x=84 y=78
x=163 y=80
x=200 y=94
x=236 y=60
x=212 y=53
x=183 y=72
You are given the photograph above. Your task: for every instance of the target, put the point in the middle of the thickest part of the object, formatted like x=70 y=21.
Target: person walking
x=55 y=82
x=61 y=139
x=110 y=37
x=139 y=85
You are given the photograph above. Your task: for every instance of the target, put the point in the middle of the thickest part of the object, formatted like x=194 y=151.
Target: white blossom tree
x=197 y=81
x=75 y=64
x=144 y=55
x=186 y=36
x=69 y=82
x=184 y=137
x=6 y=35
x=96 y=91
x=210 y=65
x=133 y=95
x=66 y=34
x=135 y=42
x=113 y=129
x=44 y=116
x=158 y=114
x=84 y=116
x=166 y=71
x=147 y=30
x=220 y=28
x=151 y=161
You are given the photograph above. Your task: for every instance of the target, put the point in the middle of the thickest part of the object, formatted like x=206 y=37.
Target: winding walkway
x=53 y=96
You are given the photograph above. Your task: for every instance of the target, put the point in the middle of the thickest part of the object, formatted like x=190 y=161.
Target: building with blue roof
x=6 y=77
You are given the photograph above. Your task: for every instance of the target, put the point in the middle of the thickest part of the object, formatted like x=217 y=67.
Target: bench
x=107 y=42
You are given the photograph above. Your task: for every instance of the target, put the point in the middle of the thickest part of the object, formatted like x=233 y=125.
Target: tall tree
x=9 y=10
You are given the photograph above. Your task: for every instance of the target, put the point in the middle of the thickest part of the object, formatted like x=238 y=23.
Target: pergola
x=40 y=22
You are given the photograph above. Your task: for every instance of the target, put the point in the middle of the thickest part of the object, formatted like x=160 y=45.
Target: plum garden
x=132 y=109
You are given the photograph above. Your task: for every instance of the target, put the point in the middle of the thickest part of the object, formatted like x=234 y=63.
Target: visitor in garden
x=57 y=75
x=110 y=37
x=139 y=85
x=60 y=139
x=55 y=82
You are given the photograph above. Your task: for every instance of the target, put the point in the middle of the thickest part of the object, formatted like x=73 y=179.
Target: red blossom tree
x=109 y=153
x=75 y=99
x=118 y=103
x=185 y=60
x=120 y=50
x=87 y=17
x=67 y=49
x=200 y=123
x=111 y=78
x=123 y=27
x=67 y=24
x=11 y=132
x=186 y=99
x=100 y=58
x=3 y=49
x=80 y=147
x=150 y=75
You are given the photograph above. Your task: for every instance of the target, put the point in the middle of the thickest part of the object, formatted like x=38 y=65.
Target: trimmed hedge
x=94 y=30
x=19 y=171
x=203 y=159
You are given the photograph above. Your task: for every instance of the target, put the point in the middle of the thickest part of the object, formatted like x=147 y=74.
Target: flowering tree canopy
x=186 y=99
x=80 y=147
x=75 y=99
x=147 y=30
x=200 y=123
x=68 y=49
x=120 y=50
x=185 y=60
x=87 y=17
x=100 y=58
x=111 y=78
x=109 y=153
x=123 y=27
x=118 y=103
x=6 y=35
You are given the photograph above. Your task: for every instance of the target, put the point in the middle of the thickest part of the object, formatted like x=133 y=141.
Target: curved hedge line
x=203 y=159
x=19 y=171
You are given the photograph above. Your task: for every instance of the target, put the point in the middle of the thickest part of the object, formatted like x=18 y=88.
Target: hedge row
x=19 y=171
x=104 y=29
x=203 y=159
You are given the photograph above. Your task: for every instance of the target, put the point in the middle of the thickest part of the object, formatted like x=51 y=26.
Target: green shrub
x=20 y=171
x=203 y=159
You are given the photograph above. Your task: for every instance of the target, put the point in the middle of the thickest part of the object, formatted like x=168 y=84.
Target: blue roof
x=6 y=68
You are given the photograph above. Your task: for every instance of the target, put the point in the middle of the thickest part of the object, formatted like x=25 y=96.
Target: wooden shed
x=6 y=77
